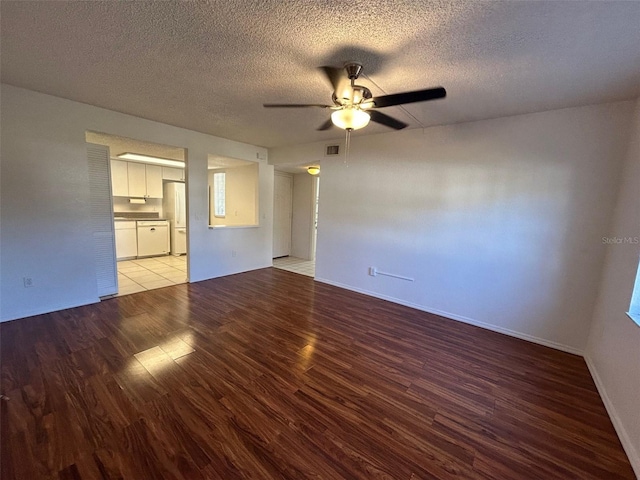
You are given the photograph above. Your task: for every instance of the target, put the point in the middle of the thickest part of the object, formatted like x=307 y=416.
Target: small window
x=634 y=308
x=233 y=192
x=219 y=195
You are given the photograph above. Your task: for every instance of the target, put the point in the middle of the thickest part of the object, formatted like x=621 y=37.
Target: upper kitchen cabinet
x=119 y=178
x=153 y=181
x=169 y=173
x=131 y=179
x=137 y=178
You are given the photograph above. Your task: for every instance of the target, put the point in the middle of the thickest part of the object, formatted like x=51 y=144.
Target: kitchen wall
x=46 y=228
x=121 y=204
x=303 y=213
x=613 y=352
x=498 y=222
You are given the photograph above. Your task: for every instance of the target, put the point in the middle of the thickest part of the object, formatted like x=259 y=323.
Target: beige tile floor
x=296 y=265
x=149 y=273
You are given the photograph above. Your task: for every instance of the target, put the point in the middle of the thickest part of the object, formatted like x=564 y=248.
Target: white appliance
x=174 y=207
x=153 y=237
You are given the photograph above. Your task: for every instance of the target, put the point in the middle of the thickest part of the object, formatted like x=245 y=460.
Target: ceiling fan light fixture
x=313 y=170
x=350 y=118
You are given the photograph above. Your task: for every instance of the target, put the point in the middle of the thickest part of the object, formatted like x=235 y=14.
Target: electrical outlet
x=28 y=282
x=373 y=271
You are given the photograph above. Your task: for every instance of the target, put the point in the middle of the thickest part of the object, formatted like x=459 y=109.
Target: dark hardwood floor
x=268 y=374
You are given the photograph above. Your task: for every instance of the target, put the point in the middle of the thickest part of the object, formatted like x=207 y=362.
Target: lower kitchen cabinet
x=126 y=239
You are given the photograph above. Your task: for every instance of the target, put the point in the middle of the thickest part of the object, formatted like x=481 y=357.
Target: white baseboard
x=632 y=453
x=49 y=309
x=460 y=318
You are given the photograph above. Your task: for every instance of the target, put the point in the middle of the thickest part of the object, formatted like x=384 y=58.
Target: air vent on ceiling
x=332 y=150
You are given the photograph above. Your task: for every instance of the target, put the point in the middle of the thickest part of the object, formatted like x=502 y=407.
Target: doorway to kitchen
x=149 y=204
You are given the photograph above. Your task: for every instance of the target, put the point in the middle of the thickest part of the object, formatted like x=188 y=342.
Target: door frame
x=277 y=173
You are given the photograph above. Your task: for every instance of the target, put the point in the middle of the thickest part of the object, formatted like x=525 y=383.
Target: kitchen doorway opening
x=147 y=196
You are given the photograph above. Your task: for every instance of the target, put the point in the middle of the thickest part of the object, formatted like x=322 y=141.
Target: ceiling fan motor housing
x=355 y=95
x=353 y=70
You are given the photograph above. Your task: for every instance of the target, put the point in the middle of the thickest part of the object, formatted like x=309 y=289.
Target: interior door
x=102 y=219
x=282 y=212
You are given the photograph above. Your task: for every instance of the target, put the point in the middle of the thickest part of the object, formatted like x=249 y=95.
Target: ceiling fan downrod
x=353 y=71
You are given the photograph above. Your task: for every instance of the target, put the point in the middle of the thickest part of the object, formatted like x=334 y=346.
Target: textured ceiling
x=210 y=66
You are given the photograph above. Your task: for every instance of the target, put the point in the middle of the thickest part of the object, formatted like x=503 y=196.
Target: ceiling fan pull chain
x=347 y=145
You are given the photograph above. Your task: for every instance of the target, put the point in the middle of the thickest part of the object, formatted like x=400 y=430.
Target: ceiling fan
x=354 y=105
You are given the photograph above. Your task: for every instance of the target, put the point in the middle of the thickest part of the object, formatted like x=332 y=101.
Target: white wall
x=613 y=352
x=45 y=201
x=498 y=221
x=302 y=217
x=241 y=206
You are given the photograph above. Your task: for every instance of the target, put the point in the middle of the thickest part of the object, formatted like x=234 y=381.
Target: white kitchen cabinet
x=144 y=181
x=137 y=179
x=154 y=181
x=126 y=239
x=169 y=173
x=119 y=178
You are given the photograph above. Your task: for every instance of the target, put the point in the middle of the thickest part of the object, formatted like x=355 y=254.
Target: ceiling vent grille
x=332 y=150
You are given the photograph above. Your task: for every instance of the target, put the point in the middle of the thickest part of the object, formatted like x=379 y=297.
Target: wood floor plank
x=268 y=374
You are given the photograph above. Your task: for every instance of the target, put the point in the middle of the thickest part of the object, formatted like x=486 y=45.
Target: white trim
x=471 y=321
x=634 y=456
x=49 y=309
x=315 y=191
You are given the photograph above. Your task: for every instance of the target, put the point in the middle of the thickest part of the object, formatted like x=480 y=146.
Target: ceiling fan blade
x=295 y=105
x=380 y=117
x=326 y=125
x=409 y=97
